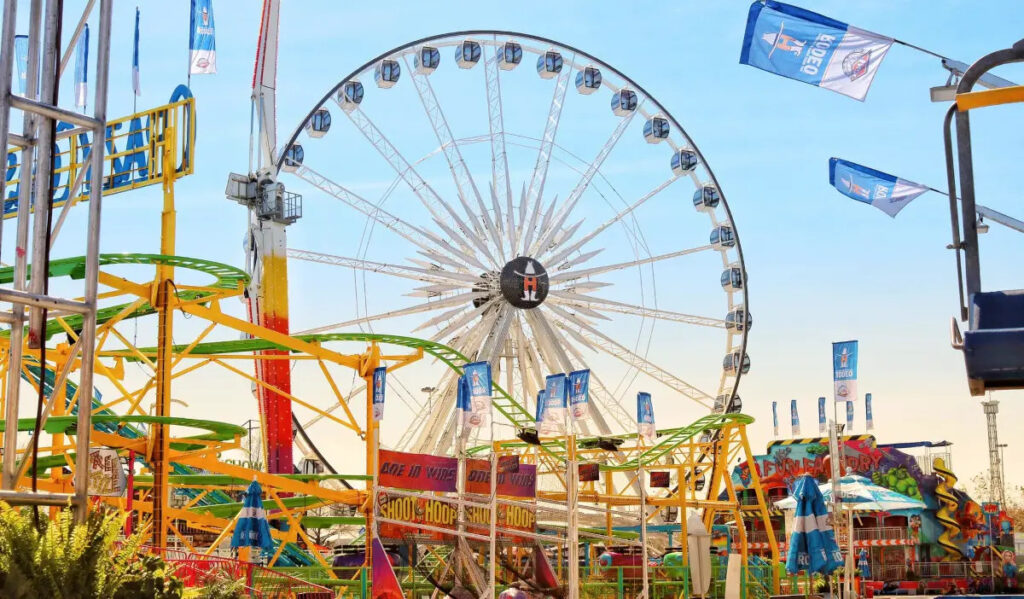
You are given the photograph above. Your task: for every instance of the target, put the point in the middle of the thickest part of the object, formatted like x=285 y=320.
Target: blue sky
x=822 y=267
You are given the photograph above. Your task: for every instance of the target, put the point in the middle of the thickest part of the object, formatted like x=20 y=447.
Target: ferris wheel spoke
x=615 y=349
x=501 y=184
x=609 y=405
x=565 y=252
x=437 y=419
x=499 y=333
x=580 y=308
x=426 y=194
x=408 y=231
x=580 y=259
x=548 y=233
x=569 y=298
x=463 y=320
x=530 y=373
x=447 y=302
x=540 y=171
x=456 y=164
x=406 y=272
x=589 y=272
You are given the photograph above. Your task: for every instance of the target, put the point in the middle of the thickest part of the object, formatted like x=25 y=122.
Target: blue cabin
x=467 y=54
x=588 y=80
x=426 y=60
x=319 y=124
x=684 y=161
x=549 y=64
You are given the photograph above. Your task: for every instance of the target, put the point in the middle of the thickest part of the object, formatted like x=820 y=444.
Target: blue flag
x=821 y=415
x=803 y=45
x=136 y=83
x=82 y=68
x=541 y=398
x=883 y=191
x=645 y=417
x=478 y=376
x=794 y=418
x=379 y=387
x=202 y=42
x=775 y=417
x=579 y=394
x=849 y=417
x=21 y=61
x=869 y=418
x=844 y=370
x=556 y=396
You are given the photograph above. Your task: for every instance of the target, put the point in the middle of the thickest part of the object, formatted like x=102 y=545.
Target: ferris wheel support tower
x=271 y=210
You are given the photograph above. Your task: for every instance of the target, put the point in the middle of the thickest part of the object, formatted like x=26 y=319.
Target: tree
x=1014 y=506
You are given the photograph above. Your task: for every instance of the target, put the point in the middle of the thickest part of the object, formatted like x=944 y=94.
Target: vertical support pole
x=10 y=18
x=10 y=474
x=572 y=490
x=370 y=362
x=762 y=503
x=967 y=204
x=130 y=494
x=164 y=304
x=92 y=264
x=644 y=590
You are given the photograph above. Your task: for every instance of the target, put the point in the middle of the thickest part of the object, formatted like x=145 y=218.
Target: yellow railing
x=134 y=148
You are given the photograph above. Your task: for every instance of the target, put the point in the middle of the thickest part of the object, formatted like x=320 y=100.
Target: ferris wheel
x=528 y=205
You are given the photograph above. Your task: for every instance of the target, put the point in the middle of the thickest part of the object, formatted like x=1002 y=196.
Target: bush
x=70 y=561
x=219 y=586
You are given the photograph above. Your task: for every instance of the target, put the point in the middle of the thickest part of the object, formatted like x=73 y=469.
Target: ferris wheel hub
x=524 y=283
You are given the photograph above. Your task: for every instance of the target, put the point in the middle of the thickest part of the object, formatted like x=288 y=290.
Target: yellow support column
x=164 y=304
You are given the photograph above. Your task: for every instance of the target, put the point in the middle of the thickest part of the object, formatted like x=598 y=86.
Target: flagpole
x=643 y=511
x=572 y=485
x=492 y=570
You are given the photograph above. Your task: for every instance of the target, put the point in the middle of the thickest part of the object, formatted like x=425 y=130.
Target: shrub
x=66 y=560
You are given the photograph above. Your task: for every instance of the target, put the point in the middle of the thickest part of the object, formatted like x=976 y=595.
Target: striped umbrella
x=252 y=529
x=812 y=546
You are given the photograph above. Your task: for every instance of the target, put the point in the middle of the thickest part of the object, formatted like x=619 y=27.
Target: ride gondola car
x=588 y=80
x=624 y=102
x=510 y=54
x=319 y=124
x=732 y=278
x=467 y=54
x=293 y=158
x=426 y=60
x=549 y=64
x=722 y=237
x=350 y=95
x=656 y=130
x=684 y=161
x=706 y=199
x=738 y=320
x=732 y=363
x=386 y=73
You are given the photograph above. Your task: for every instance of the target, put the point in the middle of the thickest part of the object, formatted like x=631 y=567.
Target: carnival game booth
x=951 y=540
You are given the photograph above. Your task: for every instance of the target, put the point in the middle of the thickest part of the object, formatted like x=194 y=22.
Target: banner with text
x=417 y=471
x=522 y=483
x=844 y=370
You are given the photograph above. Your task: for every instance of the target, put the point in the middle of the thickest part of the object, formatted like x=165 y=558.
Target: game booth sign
x=427 y=517
x=952 y=527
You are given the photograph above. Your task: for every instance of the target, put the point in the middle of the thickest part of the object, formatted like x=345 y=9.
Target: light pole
x=430 y=396
x=1002 y=474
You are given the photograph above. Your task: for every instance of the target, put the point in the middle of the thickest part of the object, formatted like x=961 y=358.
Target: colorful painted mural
x=967 y=528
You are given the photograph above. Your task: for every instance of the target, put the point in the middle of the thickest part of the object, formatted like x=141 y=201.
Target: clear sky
x=822 y=268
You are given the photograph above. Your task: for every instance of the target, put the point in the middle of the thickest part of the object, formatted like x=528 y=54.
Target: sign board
x=416 y=471
x=106 y=476
x=522 y=483
x=133 y=157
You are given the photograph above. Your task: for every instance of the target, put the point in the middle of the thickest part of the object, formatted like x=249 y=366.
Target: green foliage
x=818 y=449
x=76 y=561
x=219 y=586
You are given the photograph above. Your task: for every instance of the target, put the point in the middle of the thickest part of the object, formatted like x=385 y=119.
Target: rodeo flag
x=202 y=43
x=849 y=417
x=478 y=374
x=844 y=370
x=794 y=418
x=645 y=417
x=579 y=394
x=464 y=403
x=556 y=395
x=869 y=418
x=21 y=61
x=541 y=397
x=136 y=84
x=379 y=384
x=775 y=417
x=803 y=45
x=821 y=415
x=883 y=191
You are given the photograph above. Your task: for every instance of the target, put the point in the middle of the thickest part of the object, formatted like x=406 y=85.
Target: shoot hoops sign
x=844 y=370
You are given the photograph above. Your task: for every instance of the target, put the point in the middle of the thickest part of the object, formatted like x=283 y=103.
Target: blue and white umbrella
x=860 y=494
x=812 y=546
x=252 y=529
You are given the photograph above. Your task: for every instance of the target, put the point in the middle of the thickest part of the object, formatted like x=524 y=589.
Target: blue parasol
x=812 y=546
x=252 y=529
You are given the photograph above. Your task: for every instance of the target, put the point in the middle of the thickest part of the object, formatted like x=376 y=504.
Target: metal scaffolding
x=41 y=112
